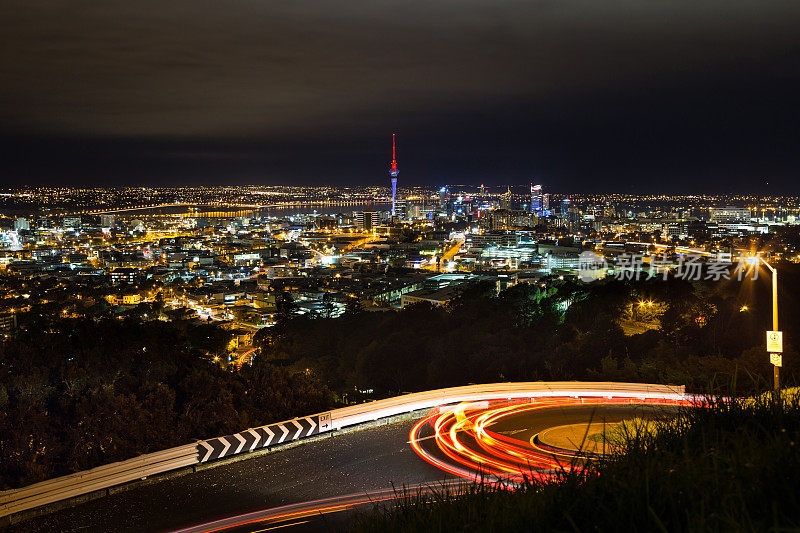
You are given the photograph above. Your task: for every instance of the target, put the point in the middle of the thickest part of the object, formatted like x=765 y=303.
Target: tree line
x=705 y=335
x=75 y=394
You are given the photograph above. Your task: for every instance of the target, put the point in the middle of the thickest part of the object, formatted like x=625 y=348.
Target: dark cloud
x=587 y=93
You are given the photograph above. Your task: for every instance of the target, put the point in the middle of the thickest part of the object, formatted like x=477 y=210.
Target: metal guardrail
x=114 y=474
x=99 y=478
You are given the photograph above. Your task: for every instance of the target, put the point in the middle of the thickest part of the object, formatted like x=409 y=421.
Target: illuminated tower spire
x=393 y=172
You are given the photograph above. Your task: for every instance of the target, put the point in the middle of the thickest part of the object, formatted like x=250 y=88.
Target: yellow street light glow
x=743 y=309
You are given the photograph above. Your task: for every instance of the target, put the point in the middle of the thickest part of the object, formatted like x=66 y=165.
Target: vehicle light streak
x=298 y=511
x=475 y=452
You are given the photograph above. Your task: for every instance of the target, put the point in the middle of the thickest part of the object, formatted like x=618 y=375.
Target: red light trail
x=475 y=452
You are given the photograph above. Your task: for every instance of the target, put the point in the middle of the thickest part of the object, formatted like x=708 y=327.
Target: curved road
x=348 y=463
x=292 y=487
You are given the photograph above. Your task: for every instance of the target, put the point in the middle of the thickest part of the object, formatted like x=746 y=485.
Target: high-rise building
x=419 y=211
x=21 y=224
x=444 y=197
x=400 y=208
x=536 y=198
x=393 y=172
x=507 y=200
x=367 y=220
x=546 y=202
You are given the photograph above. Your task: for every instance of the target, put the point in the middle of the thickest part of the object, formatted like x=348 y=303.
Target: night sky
x=581 y=95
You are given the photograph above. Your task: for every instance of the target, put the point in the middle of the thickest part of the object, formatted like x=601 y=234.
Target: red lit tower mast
x=393 y=172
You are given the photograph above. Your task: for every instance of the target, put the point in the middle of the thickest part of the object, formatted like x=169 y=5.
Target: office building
x=444 y=199
x=367 y=220
x=536 y=199
x=106 y=221
x=729 y=215
x=72 y=222
x=8 y=323
x=507 y=200
x=127 y=275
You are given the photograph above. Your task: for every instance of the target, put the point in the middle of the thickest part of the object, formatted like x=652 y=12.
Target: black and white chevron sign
x=263 y=436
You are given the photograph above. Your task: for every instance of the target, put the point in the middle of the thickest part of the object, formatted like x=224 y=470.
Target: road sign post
x=325 y=422
x=775 y=349
x=775 y=341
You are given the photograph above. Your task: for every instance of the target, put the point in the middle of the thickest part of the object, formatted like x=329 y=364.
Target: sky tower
x=393 y=172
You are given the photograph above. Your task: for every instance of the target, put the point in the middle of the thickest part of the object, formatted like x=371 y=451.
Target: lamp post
x=774 y=272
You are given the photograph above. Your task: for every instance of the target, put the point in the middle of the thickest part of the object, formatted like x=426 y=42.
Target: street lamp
x=774 y=272
x=776 y=361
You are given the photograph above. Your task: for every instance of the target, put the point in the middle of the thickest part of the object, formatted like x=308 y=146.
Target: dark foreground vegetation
x=693 y=334
x=75 y=394
x=80 y=392
x=731 y=467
